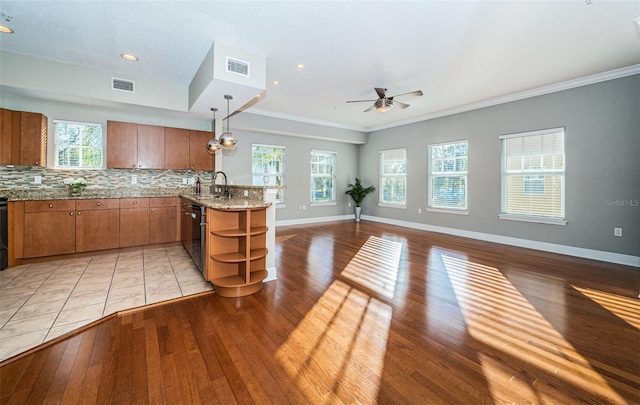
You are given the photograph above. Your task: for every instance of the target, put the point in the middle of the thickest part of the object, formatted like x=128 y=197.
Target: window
x=267 y=167
x=393 y=177
x=448 y=165
x=533 y=176
x=77 y=144
x=323 y=176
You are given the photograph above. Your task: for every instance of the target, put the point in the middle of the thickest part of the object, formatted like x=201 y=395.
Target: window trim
x=334 y=200
x=503 y=175
x=382 y=175
x=448 y=210
x=103 y=145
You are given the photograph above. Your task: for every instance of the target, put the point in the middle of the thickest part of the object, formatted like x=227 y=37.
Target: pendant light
x=227 y=139
x=213 y=145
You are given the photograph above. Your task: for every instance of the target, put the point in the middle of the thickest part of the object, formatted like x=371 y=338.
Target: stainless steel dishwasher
x=198 y=240
x=4 y=234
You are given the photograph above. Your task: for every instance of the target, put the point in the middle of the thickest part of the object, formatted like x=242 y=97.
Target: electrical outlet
x=134 y=180
x=246 y=193
x=349 y=205
x=184 y=180
x=192 y=181
x=37 y=180
x=617 y=231
x=304 y=207
x=419 y=210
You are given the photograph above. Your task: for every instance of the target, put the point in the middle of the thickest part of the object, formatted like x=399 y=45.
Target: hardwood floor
x=365 y=313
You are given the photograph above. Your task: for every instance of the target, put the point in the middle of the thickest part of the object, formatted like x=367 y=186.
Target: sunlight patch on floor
x=497 y=315
x=624 y=308
x=375 y=266
x=320 y=354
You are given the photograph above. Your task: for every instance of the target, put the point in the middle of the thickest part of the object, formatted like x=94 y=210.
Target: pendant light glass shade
x=213 y=145
x=227 y=139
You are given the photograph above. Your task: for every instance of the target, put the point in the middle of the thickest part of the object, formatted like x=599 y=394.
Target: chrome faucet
x=226 y=187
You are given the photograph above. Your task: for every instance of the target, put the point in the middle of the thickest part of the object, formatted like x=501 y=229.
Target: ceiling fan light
x=384 y=105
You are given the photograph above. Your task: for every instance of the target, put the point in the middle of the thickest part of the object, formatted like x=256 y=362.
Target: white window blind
x=448 y=165
x=533 y=175
x=393 y=176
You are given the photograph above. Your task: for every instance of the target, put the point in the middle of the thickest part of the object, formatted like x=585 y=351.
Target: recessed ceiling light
x=275 y=82
x=5 y=30
x=300 y=66
x=130 y=57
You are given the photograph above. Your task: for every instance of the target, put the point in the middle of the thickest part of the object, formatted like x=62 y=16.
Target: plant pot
x=358 y=211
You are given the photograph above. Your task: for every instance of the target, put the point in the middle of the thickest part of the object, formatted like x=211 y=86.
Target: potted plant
x=358 y=193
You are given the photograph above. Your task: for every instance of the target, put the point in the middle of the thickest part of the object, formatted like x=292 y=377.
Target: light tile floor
x=39 y=302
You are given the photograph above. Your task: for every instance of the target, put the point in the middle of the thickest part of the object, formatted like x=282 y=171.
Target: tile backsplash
x=23 y=178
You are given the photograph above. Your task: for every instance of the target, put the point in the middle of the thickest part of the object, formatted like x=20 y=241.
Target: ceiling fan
x=384 y=103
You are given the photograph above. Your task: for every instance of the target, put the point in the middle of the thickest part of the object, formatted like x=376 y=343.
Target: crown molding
x=292 y=117
x=553 y=88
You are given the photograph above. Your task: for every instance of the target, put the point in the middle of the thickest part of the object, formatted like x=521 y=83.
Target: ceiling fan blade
x=400 y=104
x=409 y=94
x=370 y=108
x=381 y=92
x=361 y=101
x=246 y=105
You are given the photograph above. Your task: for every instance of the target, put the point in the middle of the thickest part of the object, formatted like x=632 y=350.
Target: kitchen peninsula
x=239 y=236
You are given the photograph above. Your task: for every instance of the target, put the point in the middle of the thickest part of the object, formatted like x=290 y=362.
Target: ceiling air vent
x=122 y=85
x=237 y=66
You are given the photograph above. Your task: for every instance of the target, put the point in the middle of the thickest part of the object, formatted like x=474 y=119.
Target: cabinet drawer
x=98 y=204
x=49 y=205
x=134 y=203
x=157 y=202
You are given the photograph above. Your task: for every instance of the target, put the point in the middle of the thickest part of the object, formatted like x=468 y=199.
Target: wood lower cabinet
x=236 y=250
x=134 y=222
x=97 y=224
x=163 y=220
x=49 y=228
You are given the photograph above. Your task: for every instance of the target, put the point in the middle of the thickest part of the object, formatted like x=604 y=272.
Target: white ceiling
x=456 y=52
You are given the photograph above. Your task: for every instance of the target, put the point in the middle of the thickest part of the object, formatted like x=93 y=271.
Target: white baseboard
x=617 y=258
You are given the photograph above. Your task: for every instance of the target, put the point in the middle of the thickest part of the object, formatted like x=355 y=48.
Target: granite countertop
x=206 y=199
x=226 y=203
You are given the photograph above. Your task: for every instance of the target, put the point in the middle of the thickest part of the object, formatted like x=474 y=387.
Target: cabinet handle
x=50 y=205
x=146 y=210
x=78 y=213
x=98 y=204
x=151 y=209
x=135 y=203
x=163 y=201
x=36 y=163
x=71 y=213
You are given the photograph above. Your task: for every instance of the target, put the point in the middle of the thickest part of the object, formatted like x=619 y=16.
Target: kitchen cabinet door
x=150 y=147
x=176 y=149
x=122 y=145
x=134 y=222
x=97 y=225
x=33 y=139
x=7 y=138
x=199 y=158
x=49 y=228
x=163 y=224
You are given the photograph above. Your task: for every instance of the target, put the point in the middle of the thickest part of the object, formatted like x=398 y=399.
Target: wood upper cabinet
x=150 y=147
x=97 y=224
x=134 y=222
x=49 y=228
x=23 y=138
x=199 y=158
x=176 y=149
x=187 y=150
x=163 y=220
x=122 y=145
